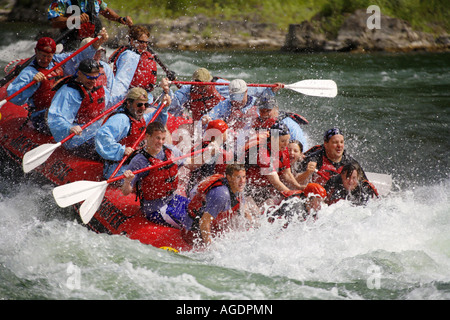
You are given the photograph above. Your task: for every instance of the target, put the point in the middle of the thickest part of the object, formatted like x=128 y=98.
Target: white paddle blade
x=71 y=193
x=38 y=156
x=318 y=88
x=383 y=182
x=91 y=205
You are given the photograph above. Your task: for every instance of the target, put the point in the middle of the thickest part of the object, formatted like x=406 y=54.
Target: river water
x=394 y=111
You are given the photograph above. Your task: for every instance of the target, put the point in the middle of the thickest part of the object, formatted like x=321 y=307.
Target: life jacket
x=146 y=71
x=199 y=200
x=254 y=170
x=136 y=128
x=238 y=119
x=203 y=99
x=42 y=97
x=161 y=182
x=93 y=101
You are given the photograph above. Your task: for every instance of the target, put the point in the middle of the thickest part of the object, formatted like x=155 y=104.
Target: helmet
x=217 y=124
x=315 y=189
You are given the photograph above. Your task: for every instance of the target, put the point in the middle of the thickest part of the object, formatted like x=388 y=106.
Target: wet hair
x=300 y=145
x=231 y=168
x=135 y=32
x=349 y=167
x=155 y=126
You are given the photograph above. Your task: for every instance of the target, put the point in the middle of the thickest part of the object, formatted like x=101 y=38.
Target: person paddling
x=157 y=188
x=217 y=200
x=123 y=128
x=134 y=65
x=39 y=96
x=76 y=102
x=62 y=18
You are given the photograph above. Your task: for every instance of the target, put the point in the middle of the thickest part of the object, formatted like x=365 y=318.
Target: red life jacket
x=194 y=207
x=326 y=171
x=136 y=128
x=254 y=175
x=93 y=103
x=42 y=97
x=146 y=71
x=161 y=182
x=203 y=99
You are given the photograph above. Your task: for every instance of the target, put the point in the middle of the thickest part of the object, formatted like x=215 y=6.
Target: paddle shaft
x=70 y=136
x=46 y=72
x=159 y=165
x=141 y=137
x=198 y=83
x=19 y=68
x=170 y=74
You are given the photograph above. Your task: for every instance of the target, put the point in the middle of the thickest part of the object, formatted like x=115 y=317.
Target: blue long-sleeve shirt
x=62 y=115
x=183 y=95
x=112 y=132
x=28 y=73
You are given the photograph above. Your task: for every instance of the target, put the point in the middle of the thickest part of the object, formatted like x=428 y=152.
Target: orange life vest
x=195 y=206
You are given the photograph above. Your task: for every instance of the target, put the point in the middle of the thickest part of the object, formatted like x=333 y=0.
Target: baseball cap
x=202 y=74
x=46 y=44
x=267 y=103
x=238 y=88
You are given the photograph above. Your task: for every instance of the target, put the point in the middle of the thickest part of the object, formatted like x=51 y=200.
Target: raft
x=117 y=214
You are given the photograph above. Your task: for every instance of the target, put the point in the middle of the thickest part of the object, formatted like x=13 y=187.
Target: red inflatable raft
x=117 y=214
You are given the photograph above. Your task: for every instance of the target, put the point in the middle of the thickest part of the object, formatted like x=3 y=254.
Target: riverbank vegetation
x=431 y=16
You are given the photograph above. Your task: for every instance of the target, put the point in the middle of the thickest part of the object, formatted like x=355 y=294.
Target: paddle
x=170 y=74
x=39 y=155
x=141 y=137
x=92 y=192
x=319 y=88
x=383 y=182
x=46 y=72
x=19 y=68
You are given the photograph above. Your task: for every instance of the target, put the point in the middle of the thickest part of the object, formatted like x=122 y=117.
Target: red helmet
x=316 y=189
x=218 y=124
x=46 y=44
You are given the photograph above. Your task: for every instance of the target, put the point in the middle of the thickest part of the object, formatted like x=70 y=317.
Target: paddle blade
x=383 y=182
x=38 y=156
x=92 y=203
x=318 y=88
x=74 y=192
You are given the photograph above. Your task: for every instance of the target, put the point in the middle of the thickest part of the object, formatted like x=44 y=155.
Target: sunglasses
x=143 y=41
x=91 y=77
x=140 y=104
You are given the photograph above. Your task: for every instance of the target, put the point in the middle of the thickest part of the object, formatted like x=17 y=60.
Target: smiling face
x=237 y=181
x=294 y=153
x=283 y=141
x=155 y=142
x=335 y=147
x=350 y=182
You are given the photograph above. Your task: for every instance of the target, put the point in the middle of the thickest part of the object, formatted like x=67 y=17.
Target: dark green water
x=395 y=112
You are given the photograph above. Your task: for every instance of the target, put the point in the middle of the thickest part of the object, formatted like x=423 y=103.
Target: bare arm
x=205 y=227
